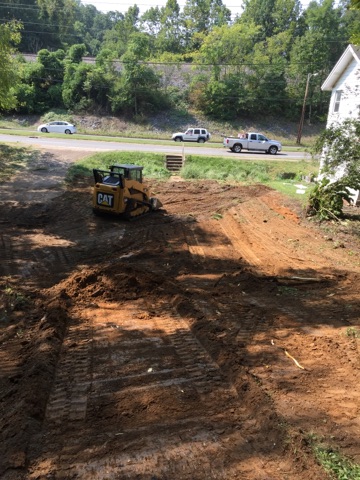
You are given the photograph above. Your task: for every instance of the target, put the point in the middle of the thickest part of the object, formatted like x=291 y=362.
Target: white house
x=344 y=83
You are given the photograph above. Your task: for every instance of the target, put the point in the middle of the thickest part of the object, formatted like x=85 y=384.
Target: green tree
x=265 y=77
x=53 y=63
x=61 y=15
x=199 y=16
x=46 y=77
x=227 y=46
x=251 y=77
x=326 y=19
x=74 y=92
x=139 y=45
x=151 y=21
x=90 y=27
x=28 y=91
x=225 y=99
x=316 y=51
x=9 y=38
x=25 y=12
x=352 y=21
x=41 y=83
x=219 y=14
x=87 y=86
x=54 y=24
x=76 y=53
x=170 y=37
x=286 y=16
x=259 y=12
x=137 y=90
x=273 y=16
x=106 y=60
x=118 y=38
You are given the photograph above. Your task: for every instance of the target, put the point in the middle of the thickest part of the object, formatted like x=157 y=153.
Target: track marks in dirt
x=250 y=319
x=68 y=399
x=258 y=241
x=146 y=395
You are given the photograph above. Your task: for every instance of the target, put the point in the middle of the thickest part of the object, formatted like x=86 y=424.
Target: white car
x=57 y=127
x=200 y=135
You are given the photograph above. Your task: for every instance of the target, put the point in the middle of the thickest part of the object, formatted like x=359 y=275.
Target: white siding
x=349 y=85
x=349 y=107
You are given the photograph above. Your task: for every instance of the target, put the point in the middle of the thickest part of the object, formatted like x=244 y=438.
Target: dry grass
x=163 y=125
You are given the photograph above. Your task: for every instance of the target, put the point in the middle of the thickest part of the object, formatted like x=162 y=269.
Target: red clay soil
x=209 y=340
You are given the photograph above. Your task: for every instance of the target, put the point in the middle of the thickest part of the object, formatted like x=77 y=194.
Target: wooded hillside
x=254 y=64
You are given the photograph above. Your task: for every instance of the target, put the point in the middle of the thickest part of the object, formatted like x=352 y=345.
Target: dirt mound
x=110 y=282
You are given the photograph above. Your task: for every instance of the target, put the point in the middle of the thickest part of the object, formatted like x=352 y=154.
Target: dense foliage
x=339 y=145
x=255 y=63
x=9 y=36
x=340 y=169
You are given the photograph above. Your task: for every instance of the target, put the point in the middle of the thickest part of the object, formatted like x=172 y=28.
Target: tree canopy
x=9 y=38
x=256 y=62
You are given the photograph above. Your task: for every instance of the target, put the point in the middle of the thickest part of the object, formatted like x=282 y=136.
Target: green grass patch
x=291 y=190
x=279 y=175
x=337 y=465
x=200 y=167
x=245 y=171
x=153 y=163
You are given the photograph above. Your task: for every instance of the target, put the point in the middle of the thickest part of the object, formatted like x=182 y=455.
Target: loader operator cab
x=117 y=173
x=128 y=171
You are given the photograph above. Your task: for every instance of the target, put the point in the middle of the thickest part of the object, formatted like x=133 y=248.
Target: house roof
x=352 y=52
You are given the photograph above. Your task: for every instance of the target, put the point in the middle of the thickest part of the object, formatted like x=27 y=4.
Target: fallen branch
x=294 y=360
x=288 y=355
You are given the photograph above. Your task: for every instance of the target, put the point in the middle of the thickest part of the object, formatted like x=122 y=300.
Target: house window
x=337 y=101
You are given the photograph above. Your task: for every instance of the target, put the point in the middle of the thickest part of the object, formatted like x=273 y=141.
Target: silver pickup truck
x=252 y=141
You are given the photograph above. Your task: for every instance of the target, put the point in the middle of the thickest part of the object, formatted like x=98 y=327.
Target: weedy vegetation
x=334 y=463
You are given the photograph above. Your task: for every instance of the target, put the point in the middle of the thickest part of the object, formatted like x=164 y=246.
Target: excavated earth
x=209 y=340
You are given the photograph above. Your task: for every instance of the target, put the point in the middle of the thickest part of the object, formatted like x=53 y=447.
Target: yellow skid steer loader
x=120 y=191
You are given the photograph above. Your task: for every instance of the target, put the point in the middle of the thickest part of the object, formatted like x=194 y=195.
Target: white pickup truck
x=252 y=141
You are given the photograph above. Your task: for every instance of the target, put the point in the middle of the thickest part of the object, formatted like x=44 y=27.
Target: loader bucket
x=155 y=203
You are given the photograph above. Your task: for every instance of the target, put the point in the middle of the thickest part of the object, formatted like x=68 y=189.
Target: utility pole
x=301 y=124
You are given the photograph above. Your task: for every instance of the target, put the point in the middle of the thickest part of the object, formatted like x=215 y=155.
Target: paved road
x=104 y=146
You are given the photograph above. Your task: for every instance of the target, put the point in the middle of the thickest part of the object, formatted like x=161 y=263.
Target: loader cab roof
x=125 y=166
x=127 y=171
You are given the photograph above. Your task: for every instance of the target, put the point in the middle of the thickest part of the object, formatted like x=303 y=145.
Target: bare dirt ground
x=204 y=341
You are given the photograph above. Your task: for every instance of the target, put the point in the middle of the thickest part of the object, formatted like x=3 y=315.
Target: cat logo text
x=105 y=199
